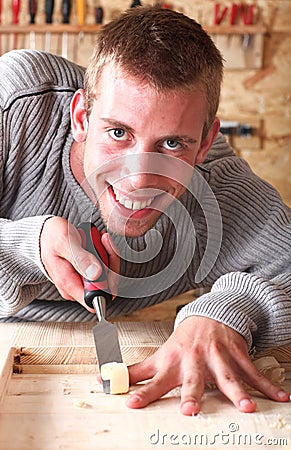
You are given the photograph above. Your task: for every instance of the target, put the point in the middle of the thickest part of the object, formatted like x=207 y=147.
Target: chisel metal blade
x=106 y=340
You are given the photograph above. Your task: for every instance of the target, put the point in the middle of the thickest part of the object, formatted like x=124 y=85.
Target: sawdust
x=282 y=423
x=82 y=404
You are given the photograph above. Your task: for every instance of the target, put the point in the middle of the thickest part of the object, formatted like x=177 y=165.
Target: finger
x=141 y=371
x=229 y=384
x=114 y=263
x=192 y=388
x=68 y=282
x=160 y=384
x=254 y=378
x=82 y=260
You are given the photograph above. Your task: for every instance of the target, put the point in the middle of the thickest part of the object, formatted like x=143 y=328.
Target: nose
x=142 y=168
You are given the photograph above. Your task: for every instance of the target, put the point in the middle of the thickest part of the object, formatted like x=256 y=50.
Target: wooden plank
x=6 y=370
x=63 y=407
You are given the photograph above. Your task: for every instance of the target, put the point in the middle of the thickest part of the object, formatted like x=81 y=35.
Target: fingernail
x=282 y=394
x=190 y=408
x=135 y=398
x=246 y=402
x=92 y=272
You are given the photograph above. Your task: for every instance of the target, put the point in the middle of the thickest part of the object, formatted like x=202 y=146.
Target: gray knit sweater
x=244 y=234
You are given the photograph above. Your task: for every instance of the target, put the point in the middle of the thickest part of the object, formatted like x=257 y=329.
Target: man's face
x=131 y=128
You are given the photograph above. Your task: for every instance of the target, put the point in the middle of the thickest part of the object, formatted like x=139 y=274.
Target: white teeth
x=135 y=205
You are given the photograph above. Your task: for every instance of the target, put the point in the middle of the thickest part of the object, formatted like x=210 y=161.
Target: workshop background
x=254 y=38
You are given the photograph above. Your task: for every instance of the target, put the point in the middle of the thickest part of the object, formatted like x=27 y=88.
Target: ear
x=208 y=141
x=79 y=116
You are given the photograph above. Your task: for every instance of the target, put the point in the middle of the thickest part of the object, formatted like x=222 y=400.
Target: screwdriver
x=96 y=293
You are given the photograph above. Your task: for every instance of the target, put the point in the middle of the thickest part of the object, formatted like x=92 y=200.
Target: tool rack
x=227 y=38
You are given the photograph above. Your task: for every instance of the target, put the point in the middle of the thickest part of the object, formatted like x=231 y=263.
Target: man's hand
x=65 y=260
x=200 y=350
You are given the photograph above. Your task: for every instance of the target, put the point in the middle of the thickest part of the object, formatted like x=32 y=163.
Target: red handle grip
x=15 y=11
x=91 y=241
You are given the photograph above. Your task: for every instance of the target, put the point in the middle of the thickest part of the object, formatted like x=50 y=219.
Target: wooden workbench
x=50 y=398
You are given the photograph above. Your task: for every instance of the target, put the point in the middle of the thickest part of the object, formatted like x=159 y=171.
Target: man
x=147 y=116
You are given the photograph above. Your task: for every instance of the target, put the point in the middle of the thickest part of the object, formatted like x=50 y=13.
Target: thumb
x=82 y=260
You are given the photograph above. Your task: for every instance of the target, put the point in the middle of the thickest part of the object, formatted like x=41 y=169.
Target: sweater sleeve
x=21 y=270
x=258 y=309
x=35 y=92
x=251 y=290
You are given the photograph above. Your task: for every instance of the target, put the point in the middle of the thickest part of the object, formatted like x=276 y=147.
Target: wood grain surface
x=50 y=398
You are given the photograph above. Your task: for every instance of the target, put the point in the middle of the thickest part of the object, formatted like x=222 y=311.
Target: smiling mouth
x=132 y=204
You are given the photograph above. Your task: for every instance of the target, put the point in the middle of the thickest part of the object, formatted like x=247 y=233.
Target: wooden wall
x=259 y=96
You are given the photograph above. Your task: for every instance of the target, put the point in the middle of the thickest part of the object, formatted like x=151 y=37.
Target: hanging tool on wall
x=135 y=3
x=81 y=13
x=15 y=19
x=247 y=13
x=99 y=14
x=232 y=20
x=32 y=8
x=66 y=11
x=49 y=10
x=218 y=18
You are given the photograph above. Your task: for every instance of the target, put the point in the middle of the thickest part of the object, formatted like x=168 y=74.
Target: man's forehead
x=112 y=72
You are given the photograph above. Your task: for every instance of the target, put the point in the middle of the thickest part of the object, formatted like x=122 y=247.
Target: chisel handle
x=98 y=14
x=91 y=241
x=49 y=9
x=81 y=12
x=66 y=10
x=32 y=6
x=15 y=11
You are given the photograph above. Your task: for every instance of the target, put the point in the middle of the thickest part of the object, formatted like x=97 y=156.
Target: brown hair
x=162 y=47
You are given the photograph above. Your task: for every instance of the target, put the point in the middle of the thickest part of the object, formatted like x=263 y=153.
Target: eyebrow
x=118 y=124
x=178 y=137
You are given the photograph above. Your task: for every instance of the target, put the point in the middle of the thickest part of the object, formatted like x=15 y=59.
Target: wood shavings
x=271 y=369
x=281 y=424
x=81 y=404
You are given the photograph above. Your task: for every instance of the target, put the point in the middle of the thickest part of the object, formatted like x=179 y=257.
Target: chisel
x=49 y=9
x=15 y=18
x=95 y=295
x=99 y=14
x=81 y=6
x=66 y=11
x=81 y=12
x=32 y=8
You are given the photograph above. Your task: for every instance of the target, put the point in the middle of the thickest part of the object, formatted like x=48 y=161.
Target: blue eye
x=118 y=134
x=171 y=144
